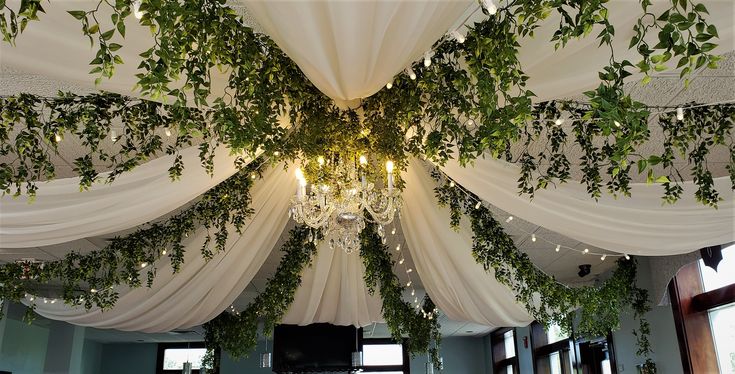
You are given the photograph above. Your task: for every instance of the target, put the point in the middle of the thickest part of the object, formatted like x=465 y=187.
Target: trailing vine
x=421 y=327
x=596 y=309
x=237 y=333
x=471 y=100
x=88 y=279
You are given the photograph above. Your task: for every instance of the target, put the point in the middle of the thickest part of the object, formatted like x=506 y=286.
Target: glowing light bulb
x=408 y=284
x=680 y=113
x=389 y=85
x=457 y=36
x=252 y=176
x=559 y=122
x=144 y=264
x=627 y=257
x=398 y=248
x=533 y=237
x=427 y=59
x=409 y=270
x=507 y=220
x=57 y=137
x=167 y=131
x=276 y=153
x=163 y=252
x=617 y=124
x=389 y=166
x=393 y=232
x=411 y=74
x=490 y=6
x=558 y=247
x=136 y=9
x=586 y=250
x=113 y=135
x=401 y=261
x=299 y=174
x=603 y=257
x=320 y=160
x=363 y=160
x=478 y=205
x=451 y=184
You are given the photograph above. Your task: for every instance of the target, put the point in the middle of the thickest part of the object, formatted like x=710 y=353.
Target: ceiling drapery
x=202 y=289
x=640 y=224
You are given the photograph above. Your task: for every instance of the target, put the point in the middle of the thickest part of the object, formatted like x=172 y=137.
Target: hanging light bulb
x=409 y=284
x=456 y=35
x=427 y=58
x=490 y=6
x=163 y=252
x=393 y=232
x=559 y=121
x=603 y=257
x=558 y=247
x=398 y=248
x=363 y=160
x=586 y=250
x=451 y=184
x=136 y=9
x=510 y=218
x=478 y=205
x=533 y=237
x=627 y=257
x=680 y=113
x=57 y=137
x=167 y=131
x=411 y=74
x=389 y=85
x=320 y=160
x=400 y=262
x=143 y=265
x=113 y=135
x=409 y=270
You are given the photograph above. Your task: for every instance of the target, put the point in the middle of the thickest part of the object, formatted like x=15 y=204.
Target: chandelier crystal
x=338 y=207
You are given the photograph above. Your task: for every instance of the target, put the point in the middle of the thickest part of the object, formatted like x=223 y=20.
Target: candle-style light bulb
x=389 y=168
x=363 y=160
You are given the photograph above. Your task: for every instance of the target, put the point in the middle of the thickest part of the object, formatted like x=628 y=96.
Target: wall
x=465 y=355
x=23 y=347
x=139 y=358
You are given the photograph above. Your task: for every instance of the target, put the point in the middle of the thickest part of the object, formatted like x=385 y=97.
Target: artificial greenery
x=237 y=333
x=594 y=310
x=89 y=279
x=471 y=100
x=421 y=326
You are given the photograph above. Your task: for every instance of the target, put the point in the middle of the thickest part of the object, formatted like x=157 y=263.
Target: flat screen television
x=314 y=348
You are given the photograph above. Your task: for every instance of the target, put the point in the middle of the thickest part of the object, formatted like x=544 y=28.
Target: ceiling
x=707 y=86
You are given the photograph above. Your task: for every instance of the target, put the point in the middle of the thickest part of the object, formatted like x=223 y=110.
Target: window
x=172 y=356
x=384 y=356
x=504 y=351
x=553 y=350
x=703 y=303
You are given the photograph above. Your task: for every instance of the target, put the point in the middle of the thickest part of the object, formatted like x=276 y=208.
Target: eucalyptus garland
x=89 y=279
x=472 y=99
x=421 y=326
x=594 y=310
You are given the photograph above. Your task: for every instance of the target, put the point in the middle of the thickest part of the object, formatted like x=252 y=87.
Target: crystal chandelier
x=338 y=207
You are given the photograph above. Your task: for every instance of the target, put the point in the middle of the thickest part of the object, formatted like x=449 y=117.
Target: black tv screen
x=316 y=347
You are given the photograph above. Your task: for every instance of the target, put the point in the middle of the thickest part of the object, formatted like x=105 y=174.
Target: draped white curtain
x=457 y=284
x=61 y=213
x=639 y=224
x=333 y=290
x=351 y=49
x=201 y=290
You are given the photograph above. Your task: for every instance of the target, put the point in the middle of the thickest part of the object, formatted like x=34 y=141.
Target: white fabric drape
x=639 y=224
x=351 y=49
x=201 y=290
x=61 y=213
x=457 y=284
x=333 y=291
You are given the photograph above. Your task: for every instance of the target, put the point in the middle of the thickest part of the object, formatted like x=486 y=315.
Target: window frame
x=497 y=347
x=690 y=305
x=405 y=368
x=162 y=347
x=541 y=349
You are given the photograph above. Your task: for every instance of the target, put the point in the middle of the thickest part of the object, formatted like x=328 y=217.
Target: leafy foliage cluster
x=89 y=279
x=421 y=326
x=594 y=310
x=473 y=98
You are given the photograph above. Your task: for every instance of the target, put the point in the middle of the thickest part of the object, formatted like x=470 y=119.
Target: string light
x=478 y=205
x=389 y=85
x=400 y=262
x=680 y=113
x=559 y=122
x=113 y=135
x=627 y=257
x=586 y=250
x=490 y=6
x=92 y=290
x=163 y=252
x=427 y=58
x=409 y=271
x=409 y=284
x=533 y=238
x=510 y=218
x=252 y=176
x=136 y=9
x=603 y=257
x=411 y=74
x=167 y=131
x=393 y=232
x=558 y=247
x=57 y=137
x=398 y=248
x=144 y=264
x=451 y=184
x=456 y=35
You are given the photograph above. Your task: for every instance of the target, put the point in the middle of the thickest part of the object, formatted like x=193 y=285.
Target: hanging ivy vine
x=596 y=309
x=89 y=279
x=421 y=326
x=471 y=100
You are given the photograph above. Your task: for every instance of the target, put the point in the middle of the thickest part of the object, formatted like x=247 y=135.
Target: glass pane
x=510 y=346
x=723 y=332
x=554 y=334
x=381 y=372
x=725 y=274
x=509 y=369
x=174 y=358
x=606 y=369
x=382 y=354
x=555 y=363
